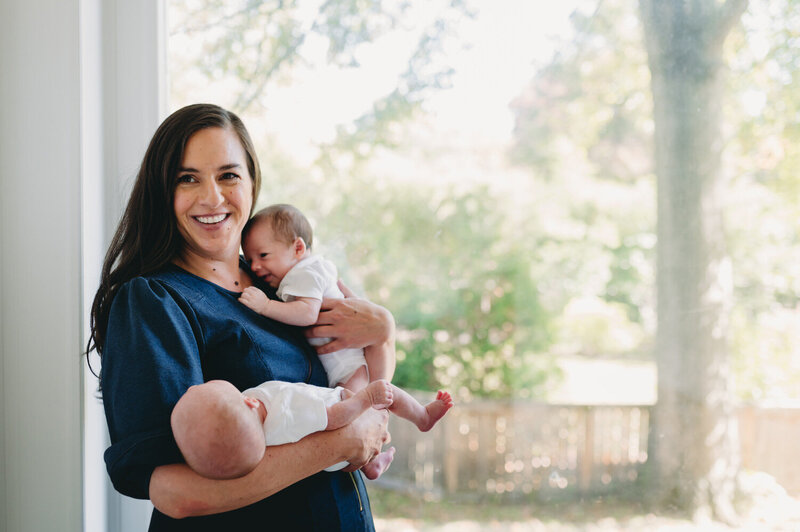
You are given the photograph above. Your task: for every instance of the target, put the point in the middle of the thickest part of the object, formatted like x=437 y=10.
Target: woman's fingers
x=370 y=431
x=352 y=323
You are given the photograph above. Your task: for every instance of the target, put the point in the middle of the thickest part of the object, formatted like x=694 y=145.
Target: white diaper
x=340 y=365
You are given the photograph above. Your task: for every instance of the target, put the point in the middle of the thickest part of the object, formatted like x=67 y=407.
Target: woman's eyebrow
x=228 y=166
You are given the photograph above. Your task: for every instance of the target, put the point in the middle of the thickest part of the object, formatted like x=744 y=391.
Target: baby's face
x=269 y=258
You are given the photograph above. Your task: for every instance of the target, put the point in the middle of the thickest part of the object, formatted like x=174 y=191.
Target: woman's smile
x=211 y=219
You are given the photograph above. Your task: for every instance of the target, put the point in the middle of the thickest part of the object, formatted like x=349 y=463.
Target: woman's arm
x=358 y=323
x=179 y=492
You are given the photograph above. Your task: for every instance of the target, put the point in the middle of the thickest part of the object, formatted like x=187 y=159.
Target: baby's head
x=218 y=430
x=274 y=240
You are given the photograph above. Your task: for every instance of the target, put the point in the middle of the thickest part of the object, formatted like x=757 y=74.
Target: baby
x=277 y=244
x=222 y=433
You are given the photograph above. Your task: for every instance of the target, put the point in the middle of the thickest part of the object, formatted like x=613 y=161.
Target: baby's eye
x=262 y=255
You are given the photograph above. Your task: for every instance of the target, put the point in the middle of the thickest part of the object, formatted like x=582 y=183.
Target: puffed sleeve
x=150 y=358
x=308 y=280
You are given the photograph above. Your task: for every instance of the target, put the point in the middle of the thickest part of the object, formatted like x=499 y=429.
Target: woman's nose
x=212 y=194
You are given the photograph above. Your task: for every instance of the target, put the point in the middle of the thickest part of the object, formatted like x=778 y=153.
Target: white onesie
x=316 y=277
x=295 y=410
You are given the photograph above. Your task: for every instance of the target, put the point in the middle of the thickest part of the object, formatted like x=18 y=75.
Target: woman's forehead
x=213 y=148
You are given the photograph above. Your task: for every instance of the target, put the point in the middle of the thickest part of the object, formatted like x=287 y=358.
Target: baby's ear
x=251 y=402
x=300 y=246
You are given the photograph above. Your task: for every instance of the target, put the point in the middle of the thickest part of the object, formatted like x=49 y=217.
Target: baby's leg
x=381 y=363
x=357 y=380
x=378 y=394
x=379 y=464
x=424 y=417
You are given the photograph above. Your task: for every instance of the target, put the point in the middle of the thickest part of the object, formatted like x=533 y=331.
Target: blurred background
x=582 y=214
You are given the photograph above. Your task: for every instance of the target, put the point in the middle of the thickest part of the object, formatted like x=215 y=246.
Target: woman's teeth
x=211 y=219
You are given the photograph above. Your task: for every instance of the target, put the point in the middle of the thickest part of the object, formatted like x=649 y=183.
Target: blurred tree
x=589 y=112
x=577 y=269
x=592 y=103
x=693 y=441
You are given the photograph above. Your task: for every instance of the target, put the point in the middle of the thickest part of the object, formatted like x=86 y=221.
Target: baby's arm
x=377 y=394
x=302 y=311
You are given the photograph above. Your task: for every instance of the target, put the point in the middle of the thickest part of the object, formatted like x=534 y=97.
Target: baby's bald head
x=219 y=436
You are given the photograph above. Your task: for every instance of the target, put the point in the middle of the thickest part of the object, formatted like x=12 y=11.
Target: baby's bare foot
x=436 y=410
x=380 y=394
x=379 y=464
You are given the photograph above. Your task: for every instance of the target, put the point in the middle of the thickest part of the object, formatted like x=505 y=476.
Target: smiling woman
x=167 y=316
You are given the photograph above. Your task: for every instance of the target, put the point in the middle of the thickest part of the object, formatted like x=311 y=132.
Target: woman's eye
x=185 y=179
x=229 y=175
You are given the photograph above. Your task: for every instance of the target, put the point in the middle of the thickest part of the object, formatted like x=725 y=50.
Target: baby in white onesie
x=223 y=433
x=277 y=244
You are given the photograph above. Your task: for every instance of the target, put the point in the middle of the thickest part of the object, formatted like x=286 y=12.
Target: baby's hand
x=380 y=394
x=254 y=299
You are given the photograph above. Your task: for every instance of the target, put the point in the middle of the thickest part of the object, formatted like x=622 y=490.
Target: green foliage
x=592 y=104
x=583 y=127
x=592 y=100
x=764 y=199
x=487 y=288
x=463 y=296
x=253 y=44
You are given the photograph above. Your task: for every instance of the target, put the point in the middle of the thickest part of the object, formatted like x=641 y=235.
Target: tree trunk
x=694 y=443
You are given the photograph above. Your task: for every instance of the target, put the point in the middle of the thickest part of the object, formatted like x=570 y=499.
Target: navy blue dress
x=170 y=330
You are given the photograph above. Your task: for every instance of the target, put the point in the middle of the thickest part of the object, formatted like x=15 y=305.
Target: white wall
x=81 y=91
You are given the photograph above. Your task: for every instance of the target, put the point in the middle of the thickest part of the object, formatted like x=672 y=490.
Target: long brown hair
x=147 y=237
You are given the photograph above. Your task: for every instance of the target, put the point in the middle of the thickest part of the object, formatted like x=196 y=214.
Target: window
x=583 y=217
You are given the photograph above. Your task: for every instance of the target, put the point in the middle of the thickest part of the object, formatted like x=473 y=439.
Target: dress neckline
x=242 y=266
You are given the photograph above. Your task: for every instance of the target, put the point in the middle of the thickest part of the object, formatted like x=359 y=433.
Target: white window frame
x=82 y=90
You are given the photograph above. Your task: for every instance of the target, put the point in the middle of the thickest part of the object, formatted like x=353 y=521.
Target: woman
x=167 y=316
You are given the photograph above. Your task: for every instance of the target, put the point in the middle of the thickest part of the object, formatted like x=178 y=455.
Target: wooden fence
x=770 y=439
x=524 y=449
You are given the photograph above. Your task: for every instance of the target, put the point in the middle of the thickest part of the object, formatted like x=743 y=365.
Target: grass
x=388 y=505
x=405 y=512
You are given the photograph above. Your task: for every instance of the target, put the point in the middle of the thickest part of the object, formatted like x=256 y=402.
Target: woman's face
x=213 y=194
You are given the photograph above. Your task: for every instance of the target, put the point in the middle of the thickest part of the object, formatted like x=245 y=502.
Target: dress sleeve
x=150 y=358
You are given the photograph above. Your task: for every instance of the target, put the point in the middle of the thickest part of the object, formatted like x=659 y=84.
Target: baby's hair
x=287 y=222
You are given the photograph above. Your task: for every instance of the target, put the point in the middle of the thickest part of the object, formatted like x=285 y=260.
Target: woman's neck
x=225 y=273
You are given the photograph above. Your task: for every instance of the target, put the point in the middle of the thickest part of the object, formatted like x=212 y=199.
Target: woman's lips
x=211 y=219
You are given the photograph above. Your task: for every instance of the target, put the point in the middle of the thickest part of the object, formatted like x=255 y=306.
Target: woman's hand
x=365 y=437
x=352 y=323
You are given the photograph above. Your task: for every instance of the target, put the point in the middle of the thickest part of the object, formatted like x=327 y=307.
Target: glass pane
x=583 y=217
